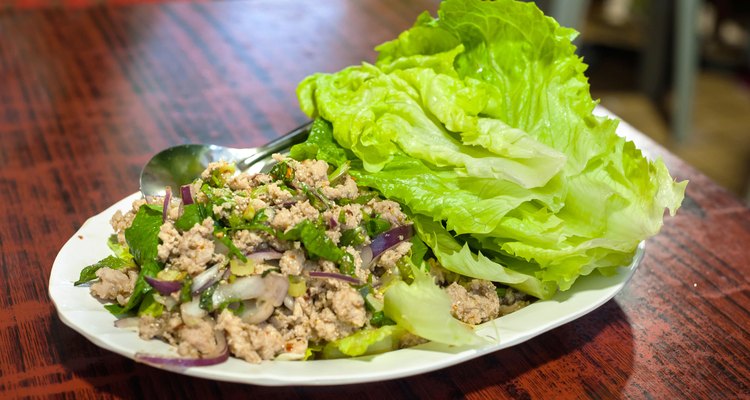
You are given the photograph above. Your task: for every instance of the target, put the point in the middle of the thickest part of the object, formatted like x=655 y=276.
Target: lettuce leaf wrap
x=481 y=122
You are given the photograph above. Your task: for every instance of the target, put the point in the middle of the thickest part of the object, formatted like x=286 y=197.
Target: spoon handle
x=295 y=136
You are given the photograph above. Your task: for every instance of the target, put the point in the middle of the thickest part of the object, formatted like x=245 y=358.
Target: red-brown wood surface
x=87 y=95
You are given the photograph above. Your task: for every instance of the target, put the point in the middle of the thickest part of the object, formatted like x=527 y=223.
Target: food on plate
x=458 y=178
x=295 y=264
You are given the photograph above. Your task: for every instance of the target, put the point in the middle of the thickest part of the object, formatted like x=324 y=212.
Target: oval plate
x=79 y=310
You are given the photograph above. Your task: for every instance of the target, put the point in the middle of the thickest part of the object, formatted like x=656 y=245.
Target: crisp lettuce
x=365 y=342
x=462 y=260
x=482 y=119
x=424 y=309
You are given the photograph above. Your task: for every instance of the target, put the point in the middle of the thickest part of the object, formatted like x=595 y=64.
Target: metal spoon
x=180 y=165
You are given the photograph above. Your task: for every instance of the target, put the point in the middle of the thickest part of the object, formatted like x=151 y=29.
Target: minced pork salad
x=292 y=265
x=455 y=179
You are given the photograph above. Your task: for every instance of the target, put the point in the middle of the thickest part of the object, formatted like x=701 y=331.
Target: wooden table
x=88 y=95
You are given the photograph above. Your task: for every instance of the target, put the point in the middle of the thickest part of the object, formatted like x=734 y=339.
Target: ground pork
x=253 y=343
x=349 y=306
x=345 y=190
x=346 y=217
x=285 y=219
x=390 y=257
x=389 y=210
x=329 y=317
x=247 y=181
x=294 y=322
x=164 y=327
x=223 y=210
x=513 y=300
x=314 y=173
x=226 y=169
x=292 y=261
x=190 y=252
x=248 y=241
x=197 y=339
x=114 y=284
x=476 y=303
x=410 y=340
x=277 y=195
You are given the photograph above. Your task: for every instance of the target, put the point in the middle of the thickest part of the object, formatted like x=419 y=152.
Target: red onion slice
x=256 y=311
x=333 y=275
x=365 y=253
x=186 y=194
x=389 y=239
x=166 y=361
x=163 y=287
x=332 y=223
x=207 y=278
x=271 y=288
x=167 y=200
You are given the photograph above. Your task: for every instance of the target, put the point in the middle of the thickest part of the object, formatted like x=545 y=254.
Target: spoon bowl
x=180 y=165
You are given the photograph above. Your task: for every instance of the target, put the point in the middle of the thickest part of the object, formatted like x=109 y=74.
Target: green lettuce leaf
x=462 y=260
x=424 y=309
x=482 y=118
x=364 y=342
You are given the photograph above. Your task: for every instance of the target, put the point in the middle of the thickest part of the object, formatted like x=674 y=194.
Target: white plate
x=86 y=315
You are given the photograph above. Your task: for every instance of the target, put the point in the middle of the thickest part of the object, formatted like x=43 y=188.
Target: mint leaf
x=143 y=234
x=191 y=214
x=89 y=273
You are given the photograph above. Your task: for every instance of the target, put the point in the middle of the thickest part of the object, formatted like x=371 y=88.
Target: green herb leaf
x=282 y=172
x=88 y=274
x=149 y=306
x=318 y=244
x=192 y=214
x=376 y=226
x=206 y=299
x=121 y=251
x=379 y=319
x=352 y=237
x=362 y=199
x=143 y=234
x=186 y=294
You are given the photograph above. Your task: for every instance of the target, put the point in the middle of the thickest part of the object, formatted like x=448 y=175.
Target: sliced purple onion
x=365 y=253
x=167 y=200
x=383 y=242
x=207 y=278
x=187 y=195
x=256 y=311
x=263 y=255
x=166 y=361
x=163 y=287
x=271 y=288
x=191 y=312
x=389 y=239
x=334 y=275
x=332 y=223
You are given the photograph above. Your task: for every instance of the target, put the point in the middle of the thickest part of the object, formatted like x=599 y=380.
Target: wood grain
x=88 y=95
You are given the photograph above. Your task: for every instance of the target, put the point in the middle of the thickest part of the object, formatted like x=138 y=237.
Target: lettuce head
x=481 y=122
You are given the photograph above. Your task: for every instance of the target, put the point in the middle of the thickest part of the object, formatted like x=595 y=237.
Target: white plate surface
x=79 y=310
